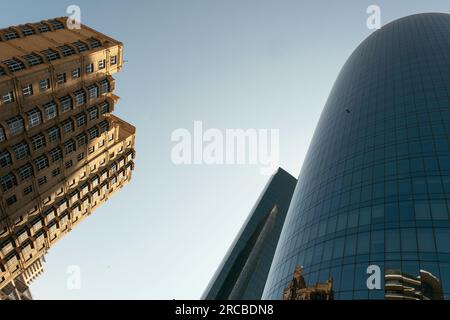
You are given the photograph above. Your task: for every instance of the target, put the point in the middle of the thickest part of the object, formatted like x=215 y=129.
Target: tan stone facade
x=62 y=152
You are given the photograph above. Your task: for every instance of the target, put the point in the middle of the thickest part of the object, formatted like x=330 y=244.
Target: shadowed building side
x=242 y=274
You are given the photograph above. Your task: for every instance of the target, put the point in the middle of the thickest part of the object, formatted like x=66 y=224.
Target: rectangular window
x=67 y=125
x=76 y=73
x=69 y=146
x=21 y=150
x=66 y=103
x=80 y=97
x=93 y=92
x=53 y=134
x=68 y=164
x=104 y=86
x=81 y=139
x=5 y=159
x=93 y=113
x=55 y=154
x=42 y=180
x=113 y=60
x=34 y=118
x=50 y=109
x=90 y=68
x=27 y=90
x=8 y=97
x=26 y=171
x=56 y=172
x=27 y=190
x=14 y=64
x=38 y=141
x=7 y=182
x=41 y=162
x=33 y=59
x=15 y=125
x=93 y=133
x=44 y=85
x=101 y=64
x=80 y=156
x=80 y=119
x=104 y=107
x=61 y=78
x=81 y=46
x=66 y=50
x=11 y=200
x=51 y=55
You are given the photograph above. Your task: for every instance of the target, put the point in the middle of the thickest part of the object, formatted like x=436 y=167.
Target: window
x=61 y=78
x=56 y=172
x=15 y=125
x=81 y=139
x=104 y=126
x=26 y=31
x=80 y=156
x=94 y=43
x=81 y=46
x=67 y=125
x=51 y=55
x=42 y=27
x=11 y=34
x=27 y=190
x=69 y=146
x=14 y=64
x=76 y=73
x=68 y=164
x=8 y=181
x=101 y=143
x=66 y=50
x=5 y=159
x=66 y=103
x=21 y=150
x=93 y=92
x=80 y=97
x=113 y=60
x=33 y=59
x=44 y=85
x=104 y=107
x=2 y=135
x=53 y=134
x=26 y=171
x=93 y=133
x=93 y=113
x=55 y=154
x=104 y=86
x=91 y=149
x=11 y=200
x=42 y=180
x=8 y=97
x=102 y=64
x=50 y=110
x=27 y=90
x=80 y=119
x=56 y=24
x=38 y=141
x=90 y=68
x=34 y=117
x=41 y=162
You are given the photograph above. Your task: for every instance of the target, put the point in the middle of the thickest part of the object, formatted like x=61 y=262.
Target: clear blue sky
x=230 y=63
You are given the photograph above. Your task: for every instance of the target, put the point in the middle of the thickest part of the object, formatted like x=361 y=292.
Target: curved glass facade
x=375 y=185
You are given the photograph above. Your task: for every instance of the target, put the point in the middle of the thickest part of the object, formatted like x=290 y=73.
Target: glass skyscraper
x=243 y=273
x=374 y=190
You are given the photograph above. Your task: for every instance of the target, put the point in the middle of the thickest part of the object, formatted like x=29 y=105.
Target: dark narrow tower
x=374 y=190
x=243 y=273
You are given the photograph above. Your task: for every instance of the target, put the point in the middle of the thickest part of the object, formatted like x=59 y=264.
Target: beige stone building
x=62 y=152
